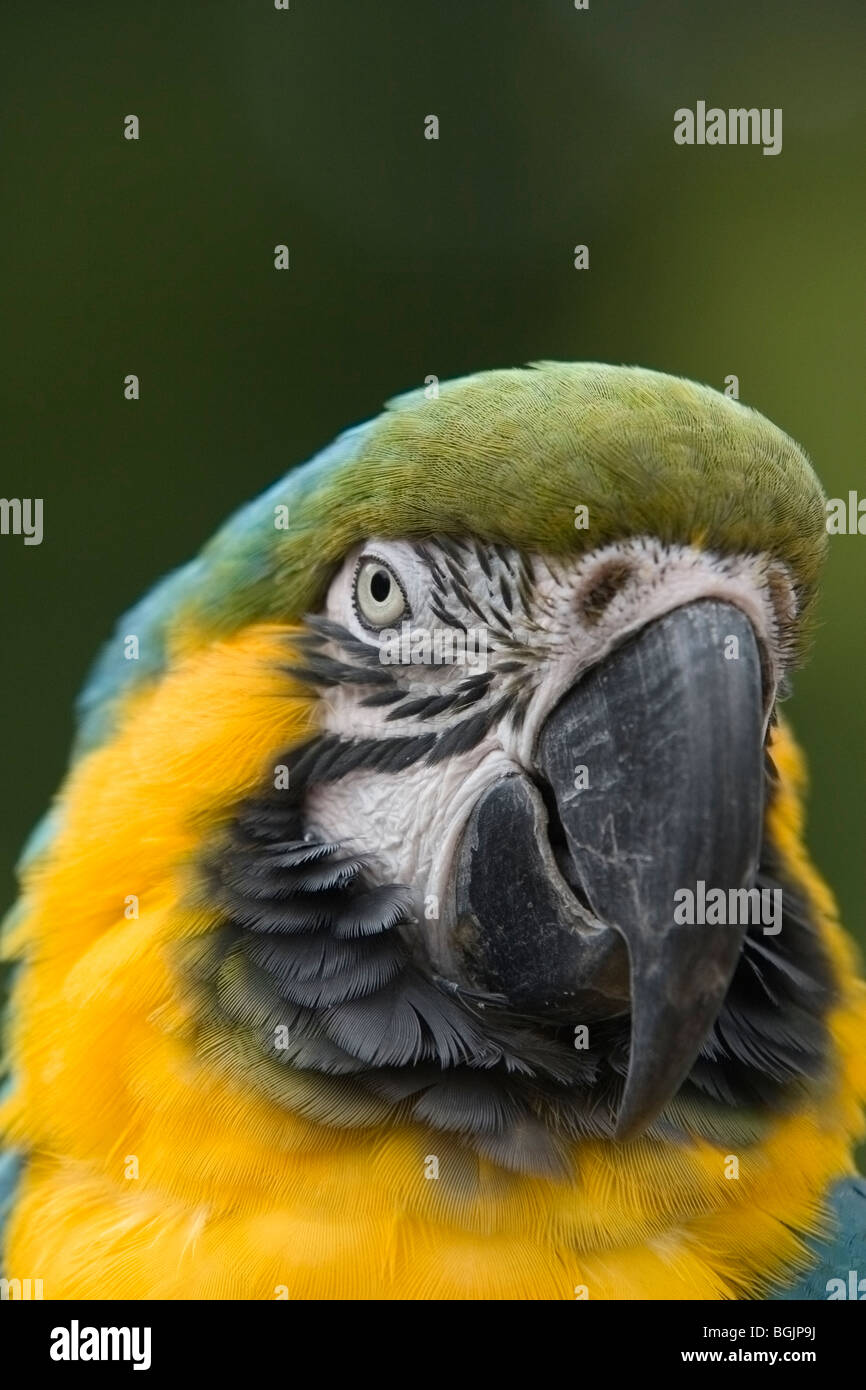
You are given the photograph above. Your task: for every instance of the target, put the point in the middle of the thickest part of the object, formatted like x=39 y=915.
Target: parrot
x=426 y=912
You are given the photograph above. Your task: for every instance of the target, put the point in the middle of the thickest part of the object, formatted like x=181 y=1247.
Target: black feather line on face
x=330 y=655
x=445 y=616
x=312 y=946
x=394 y=753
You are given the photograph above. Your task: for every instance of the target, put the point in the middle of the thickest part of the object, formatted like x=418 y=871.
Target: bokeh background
x=408 y=257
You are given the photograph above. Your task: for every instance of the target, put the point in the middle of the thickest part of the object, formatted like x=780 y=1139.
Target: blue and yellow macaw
x=425 y=913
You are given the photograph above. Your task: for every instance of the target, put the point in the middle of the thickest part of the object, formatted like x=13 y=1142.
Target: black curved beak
x=669 y=730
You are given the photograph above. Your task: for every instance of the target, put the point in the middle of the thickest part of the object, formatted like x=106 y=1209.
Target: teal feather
x=840 y=1253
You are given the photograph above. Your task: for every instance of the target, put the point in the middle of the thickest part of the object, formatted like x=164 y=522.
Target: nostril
x=603 y=586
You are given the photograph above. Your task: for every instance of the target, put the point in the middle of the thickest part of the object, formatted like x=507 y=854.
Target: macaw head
x=543 y=751
x=511 y=877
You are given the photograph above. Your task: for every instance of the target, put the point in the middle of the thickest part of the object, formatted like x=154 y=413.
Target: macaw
x=425 y=913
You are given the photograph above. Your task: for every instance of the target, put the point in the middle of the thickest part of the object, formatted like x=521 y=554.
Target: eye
x=379 y=598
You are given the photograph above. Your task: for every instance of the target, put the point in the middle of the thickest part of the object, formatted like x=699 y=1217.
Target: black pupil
x=380 y=585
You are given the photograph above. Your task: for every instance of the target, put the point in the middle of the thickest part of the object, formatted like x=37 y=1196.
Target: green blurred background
x=408 y=257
